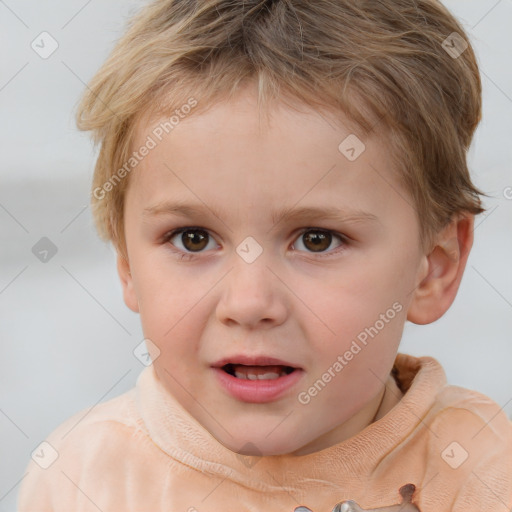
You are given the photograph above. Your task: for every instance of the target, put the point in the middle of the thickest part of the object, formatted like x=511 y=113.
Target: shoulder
x=85 y=430
x=447 y=407
x=458 y=409
x=470 y=449
x=455 y=414
x=101 y=440
x=460 y=445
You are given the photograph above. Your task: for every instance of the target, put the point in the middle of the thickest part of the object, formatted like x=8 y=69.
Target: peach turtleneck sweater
x=142 y=452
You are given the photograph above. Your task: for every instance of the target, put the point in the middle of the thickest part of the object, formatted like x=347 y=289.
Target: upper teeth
x=254 y=376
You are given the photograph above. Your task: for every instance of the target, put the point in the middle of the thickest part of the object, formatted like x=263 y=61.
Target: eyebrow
x=282 y=215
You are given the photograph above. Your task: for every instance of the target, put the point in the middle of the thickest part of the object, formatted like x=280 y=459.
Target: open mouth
x=242 y=371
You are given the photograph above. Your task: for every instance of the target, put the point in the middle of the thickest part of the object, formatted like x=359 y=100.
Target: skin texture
x=299 y=302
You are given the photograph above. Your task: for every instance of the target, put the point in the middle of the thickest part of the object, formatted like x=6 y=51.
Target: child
x=322 y=226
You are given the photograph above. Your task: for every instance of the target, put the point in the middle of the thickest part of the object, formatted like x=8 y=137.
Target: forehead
x=234 y=151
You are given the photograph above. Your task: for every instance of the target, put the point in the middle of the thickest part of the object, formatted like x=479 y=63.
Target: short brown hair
x=391 y=56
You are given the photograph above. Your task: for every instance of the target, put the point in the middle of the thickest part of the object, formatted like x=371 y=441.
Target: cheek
x=157 y=299
x=356 y=295
x=366 y=301
x=172 y=310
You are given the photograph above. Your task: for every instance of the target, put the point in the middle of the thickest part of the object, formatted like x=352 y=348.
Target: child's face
x=305 y=300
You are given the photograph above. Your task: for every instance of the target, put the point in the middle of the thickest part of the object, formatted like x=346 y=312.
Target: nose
x=252 y=295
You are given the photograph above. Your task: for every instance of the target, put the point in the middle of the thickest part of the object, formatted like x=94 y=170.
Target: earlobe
x=129 y=295
x=441 y=271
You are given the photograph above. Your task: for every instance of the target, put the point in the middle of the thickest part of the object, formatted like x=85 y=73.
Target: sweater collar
x=181 y=437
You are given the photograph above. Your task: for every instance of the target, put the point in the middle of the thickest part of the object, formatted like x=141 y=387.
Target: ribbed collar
x=179 y=435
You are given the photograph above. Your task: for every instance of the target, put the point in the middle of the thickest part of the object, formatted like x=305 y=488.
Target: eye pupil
x=193 y=237
x=318 y=239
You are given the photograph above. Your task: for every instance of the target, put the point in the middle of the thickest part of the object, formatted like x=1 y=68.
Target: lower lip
x=257 y=391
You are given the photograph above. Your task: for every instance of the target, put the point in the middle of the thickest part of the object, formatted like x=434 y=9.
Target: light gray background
x=67 y=337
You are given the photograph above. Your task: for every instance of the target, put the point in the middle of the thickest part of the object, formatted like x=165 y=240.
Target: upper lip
x=253 y=361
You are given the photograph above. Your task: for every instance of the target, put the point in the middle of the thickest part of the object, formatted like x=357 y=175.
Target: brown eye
x=192 y=239
x=315 y=240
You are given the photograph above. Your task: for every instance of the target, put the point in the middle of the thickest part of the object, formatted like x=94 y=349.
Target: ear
x=130 y=297
x=441 y=271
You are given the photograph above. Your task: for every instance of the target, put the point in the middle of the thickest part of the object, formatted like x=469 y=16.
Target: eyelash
x=190 y=255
